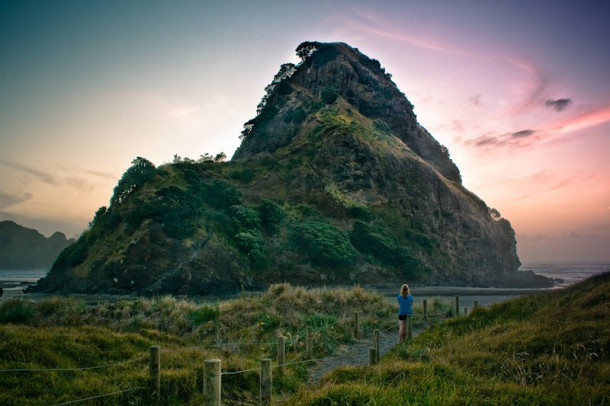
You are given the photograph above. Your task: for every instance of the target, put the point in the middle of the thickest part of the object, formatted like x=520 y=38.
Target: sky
x=519 y=92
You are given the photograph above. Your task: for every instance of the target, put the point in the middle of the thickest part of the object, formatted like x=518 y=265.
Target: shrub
x=140 y=172
x=272 y=216
x=378 y=241
x=245 y=217
x=328 y=95
x=295 y=116
x=361 y=213
x=252 y=245
x=221 y=195
x=64 y=310
x=425 y=241
x=73 y=255
x=204 y=314
x=174 y=208
x=382 y=126
x=245 y=175
x=309 y=212
x=98 y=215
x=323 y=243
x=177 y=211
x=17 y=311
x=220 y=221
x=267 y=322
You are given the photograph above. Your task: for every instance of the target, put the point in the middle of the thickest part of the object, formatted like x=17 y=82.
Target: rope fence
x=212 y=367
x=100 y=396
x=73 y=369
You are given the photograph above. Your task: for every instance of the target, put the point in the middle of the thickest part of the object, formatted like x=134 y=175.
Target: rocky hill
x=25 y=248
x=335 y=182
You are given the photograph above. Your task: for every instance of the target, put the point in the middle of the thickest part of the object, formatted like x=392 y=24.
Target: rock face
x=334 y=182
x=25 y=248
x=342 y=71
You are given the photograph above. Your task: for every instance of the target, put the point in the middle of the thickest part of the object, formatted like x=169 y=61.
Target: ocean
x=27 y=275
x=566 y=273
x=14 y=281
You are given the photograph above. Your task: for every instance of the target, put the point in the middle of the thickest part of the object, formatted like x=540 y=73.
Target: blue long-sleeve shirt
x=405 y=305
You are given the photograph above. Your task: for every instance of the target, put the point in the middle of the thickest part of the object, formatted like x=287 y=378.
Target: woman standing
x=405 y=307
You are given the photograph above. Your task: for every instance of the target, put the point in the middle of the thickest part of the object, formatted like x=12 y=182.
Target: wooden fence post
x=155 y=371
x=309 y=343
x=211 y=382
x=425 y=310
x=476 y=304
x=266 y=382
x=409 y=323
x=372 y=356
x=281 y=354
x=356 y=324
x=377 y=344
x=465 y=310
x=457 y=306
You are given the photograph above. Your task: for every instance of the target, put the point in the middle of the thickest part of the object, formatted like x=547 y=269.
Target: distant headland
x=26 y=248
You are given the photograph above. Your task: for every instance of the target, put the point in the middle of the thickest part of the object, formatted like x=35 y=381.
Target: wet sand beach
x=467 y=295
x=13 y=283
x=15 y=289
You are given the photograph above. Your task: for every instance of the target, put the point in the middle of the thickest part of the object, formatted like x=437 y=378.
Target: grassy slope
x=551 y=348
x=544 y=349
x=67 y=333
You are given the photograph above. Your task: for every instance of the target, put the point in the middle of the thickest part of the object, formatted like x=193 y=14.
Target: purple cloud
x=558 y=104
x=523 y=133
x=476 y=100
x=511 y=140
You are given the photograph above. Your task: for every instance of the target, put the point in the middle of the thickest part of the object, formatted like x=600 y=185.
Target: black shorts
x=402 y=317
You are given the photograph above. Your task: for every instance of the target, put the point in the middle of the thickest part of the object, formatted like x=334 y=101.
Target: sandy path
x=356 y=354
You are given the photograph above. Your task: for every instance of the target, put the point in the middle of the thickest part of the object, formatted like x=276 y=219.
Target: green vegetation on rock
x=334 y=182
x=323 y=243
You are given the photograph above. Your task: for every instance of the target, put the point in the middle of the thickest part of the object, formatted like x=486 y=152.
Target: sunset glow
x=517 y=91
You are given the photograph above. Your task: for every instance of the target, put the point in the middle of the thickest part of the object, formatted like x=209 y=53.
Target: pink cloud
x=517 y=139
x=534 y=90
x=529 y=137
x=368 y=22
x=587 y=120
x=546 y=181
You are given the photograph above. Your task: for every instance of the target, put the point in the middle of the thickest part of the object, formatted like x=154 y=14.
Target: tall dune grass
x=66 y=333
x=545 y=349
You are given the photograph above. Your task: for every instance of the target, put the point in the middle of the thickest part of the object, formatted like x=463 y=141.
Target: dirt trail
x=355 y=354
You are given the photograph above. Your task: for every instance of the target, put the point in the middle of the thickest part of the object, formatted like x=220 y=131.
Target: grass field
x=53 y=340
x=549 y=348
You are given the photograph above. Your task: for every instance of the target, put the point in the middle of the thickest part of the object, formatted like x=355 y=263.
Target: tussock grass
x=550 y=348
x=66 y=333
x=545 y=349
